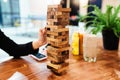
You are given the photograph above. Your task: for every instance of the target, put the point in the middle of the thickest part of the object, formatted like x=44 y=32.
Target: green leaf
x=108 y=20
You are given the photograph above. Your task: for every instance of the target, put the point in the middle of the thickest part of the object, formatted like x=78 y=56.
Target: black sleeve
x=14 y=49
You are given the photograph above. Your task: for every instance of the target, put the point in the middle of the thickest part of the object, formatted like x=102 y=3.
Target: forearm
x=14 y=49
x=17 y=50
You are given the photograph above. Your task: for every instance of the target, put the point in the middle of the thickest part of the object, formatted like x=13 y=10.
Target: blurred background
x=21 y=19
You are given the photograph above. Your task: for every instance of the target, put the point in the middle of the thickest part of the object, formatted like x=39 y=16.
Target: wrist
x=36 y=44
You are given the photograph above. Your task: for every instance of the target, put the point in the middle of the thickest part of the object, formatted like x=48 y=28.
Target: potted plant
x=108 y=23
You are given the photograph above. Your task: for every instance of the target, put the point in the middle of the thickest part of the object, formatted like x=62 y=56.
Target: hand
x=41 y=40
x=42 y=36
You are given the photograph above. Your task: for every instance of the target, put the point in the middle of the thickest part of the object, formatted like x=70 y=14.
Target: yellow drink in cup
x=80 y=43
x=75 y=43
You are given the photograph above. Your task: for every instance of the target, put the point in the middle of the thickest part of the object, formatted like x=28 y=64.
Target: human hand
x=42 y=36
x=41 y=40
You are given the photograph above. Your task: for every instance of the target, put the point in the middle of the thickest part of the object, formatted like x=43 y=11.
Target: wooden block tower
x=58 y=38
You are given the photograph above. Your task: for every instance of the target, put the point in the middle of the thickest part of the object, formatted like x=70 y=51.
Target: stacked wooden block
x=57 y=38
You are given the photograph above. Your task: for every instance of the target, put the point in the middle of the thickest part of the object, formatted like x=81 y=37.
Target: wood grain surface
x=107 y=67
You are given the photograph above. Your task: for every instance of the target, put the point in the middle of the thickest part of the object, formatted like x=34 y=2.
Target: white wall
x=39 y=7
x=24 y=10
x=109 y=2
x=83 y=7
x=83 y=3
x=35 y=7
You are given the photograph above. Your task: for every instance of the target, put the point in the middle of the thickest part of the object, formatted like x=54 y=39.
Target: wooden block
x=58 y=42
x=58 y=69
x=58 y=8
x=58 y=16
x=58 y=13
x=51 y=14
x=62 y=30
x=62 y=54
x=52 y=33
x=61 y=38
x=57 y=61
x=54 y=27
x=57 y=66
x=59 y=45
x=58 y=22
x=53 y=20
x=50 y=23
x=65 y=23
x=58 y=73
x=65 y=9
x=66 y=19
x=57 y=58
x=58 y=33
x=53 y=23
x=66 y=14
x=55 y=17
x=53 y=49
x=54 y=6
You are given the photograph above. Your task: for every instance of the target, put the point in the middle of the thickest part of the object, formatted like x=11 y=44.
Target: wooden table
x=107 y=67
